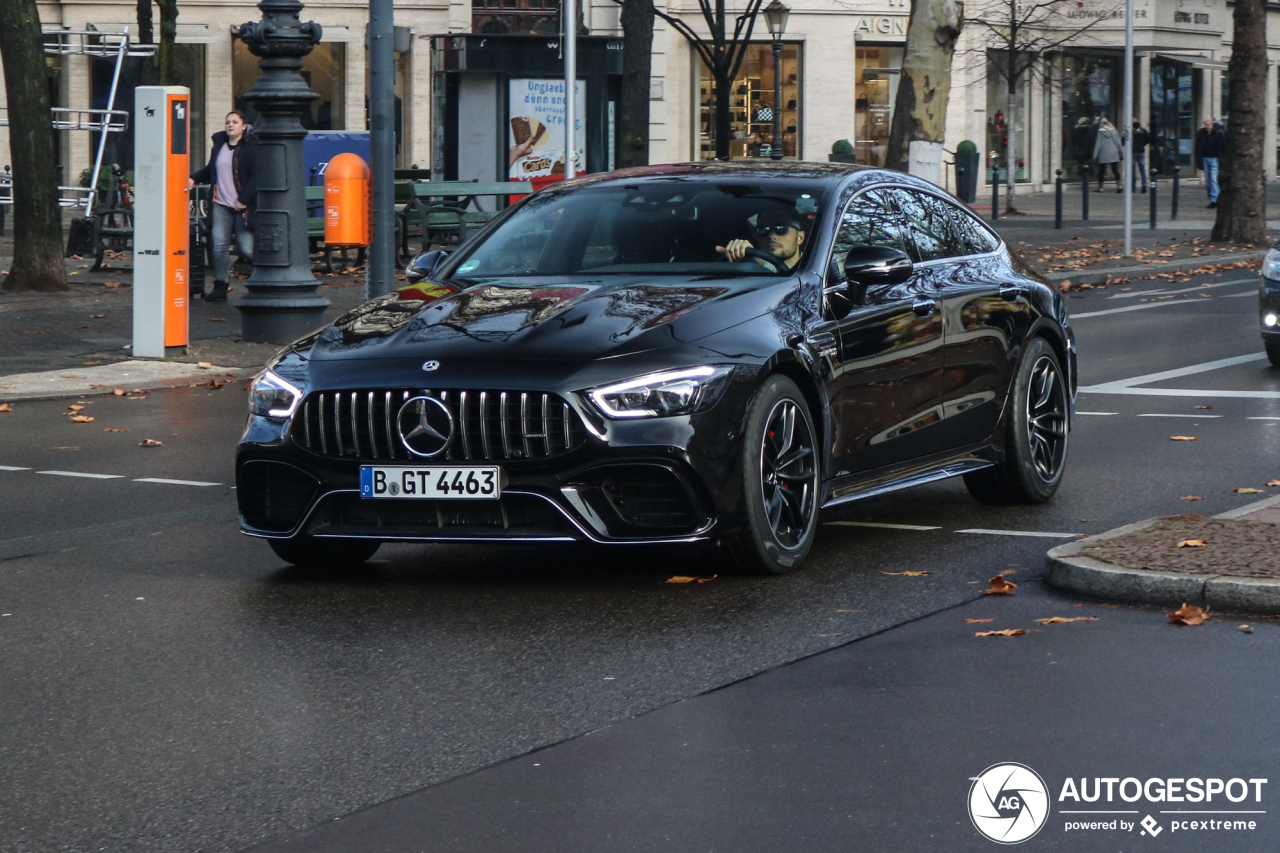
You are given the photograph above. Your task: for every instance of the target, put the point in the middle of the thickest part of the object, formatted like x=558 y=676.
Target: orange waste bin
x=346 y=201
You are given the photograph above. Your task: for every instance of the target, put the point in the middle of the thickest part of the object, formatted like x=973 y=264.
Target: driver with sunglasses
x=778 y=232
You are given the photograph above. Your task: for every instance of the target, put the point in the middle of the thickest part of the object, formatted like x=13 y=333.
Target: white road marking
x=1250 y=292
x=1263 y=418
x=1253 y=280
x=884 y=525
x=1099 y=414
x=175 y=482
x=1041 y=533
x=1188 y=392
x=1197 y=417
x=12 y=468
x=1128 y=308
x=1127 y=386
x=83 y=474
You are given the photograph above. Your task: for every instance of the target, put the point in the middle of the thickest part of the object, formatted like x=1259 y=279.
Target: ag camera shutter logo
x=1008 y=803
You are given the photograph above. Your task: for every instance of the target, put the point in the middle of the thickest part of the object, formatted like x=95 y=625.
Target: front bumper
x=1269 y=304
x=661 y=480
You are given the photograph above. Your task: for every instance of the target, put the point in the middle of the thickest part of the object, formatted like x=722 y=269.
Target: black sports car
x=679 y=354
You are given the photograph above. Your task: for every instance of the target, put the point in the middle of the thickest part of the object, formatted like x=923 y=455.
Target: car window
x=870 y=219
x=930 y=225
x=972 y=237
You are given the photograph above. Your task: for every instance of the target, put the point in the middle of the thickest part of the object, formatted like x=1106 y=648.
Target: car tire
x=307 y=553
x=1273 y=350
x=1036 y=435
x=780 y=479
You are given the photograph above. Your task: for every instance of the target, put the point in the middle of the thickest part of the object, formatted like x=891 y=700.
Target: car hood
x=562 y=318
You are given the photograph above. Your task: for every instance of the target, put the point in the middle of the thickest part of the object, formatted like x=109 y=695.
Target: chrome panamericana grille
x=488 y=425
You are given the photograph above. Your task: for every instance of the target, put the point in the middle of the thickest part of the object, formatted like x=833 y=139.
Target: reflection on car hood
x=547 y=317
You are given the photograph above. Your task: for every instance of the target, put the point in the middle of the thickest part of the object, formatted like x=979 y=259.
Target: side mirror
x=421 y=267
x=869 y=266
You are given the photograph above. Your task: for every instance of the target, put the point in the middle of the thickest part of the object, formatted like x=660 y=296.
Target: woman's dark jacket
x=244 y=163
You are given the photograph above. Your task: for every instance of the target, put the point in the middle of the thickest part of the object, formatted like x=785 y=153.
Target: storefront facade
x=839 y=72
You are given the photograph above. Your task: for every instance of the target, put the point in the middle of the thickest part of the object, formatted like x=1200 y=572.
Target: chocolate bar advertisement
x=536 y=128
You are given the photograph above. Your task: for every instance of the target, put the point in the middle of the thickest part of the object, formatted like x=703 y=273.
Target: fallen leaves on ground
x=1193 y=543
x=150 y=442
x=1204 y=407
x=81 y=419
x=1248 y=629
x=1191 y=498
x=687 y=579
x=1055 y=620
x=213 y=383
x=1183 y=438
x=204 y=365
x=1007 y=632
x=1188 y=614
x=1000 y=586
x=97 y=316
x=1085 y=520
x=113 y=284
x=114 y=429
x=4 y=407
x=1273 y=482
x=1247 y=491
x=904 y=574
x=976 y=621
x=218 y=319
x=119 y=392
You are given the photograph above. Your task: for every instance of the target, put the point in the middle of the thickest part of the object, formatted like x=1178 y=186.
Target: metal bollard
x=1084 y=192
x=1152 y=190
x=1057 y=202
x=1174 y=199
x=995 y=193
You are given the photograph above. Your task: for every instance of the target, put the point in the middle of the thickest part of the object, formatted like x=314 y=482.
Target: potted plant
x=842 y=152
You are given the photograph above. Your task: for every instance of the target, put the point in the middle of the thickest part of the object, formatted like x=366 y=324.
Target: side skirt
x=954 y=468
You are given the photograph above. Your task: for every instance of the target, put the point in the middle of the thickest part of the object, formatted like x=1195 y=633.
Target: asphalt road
x=168 y=685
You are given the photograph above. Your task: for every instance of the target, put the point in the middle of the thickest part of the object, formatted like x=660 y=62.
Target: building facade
x=839 y=72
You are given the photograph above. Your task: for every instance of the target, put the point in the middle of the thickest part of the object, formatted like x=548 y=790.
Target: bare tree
x=924 y=87
x=1242 y=208
x=168 y=37
x=37 y=227
x=722 y=54
x=637 y=69
x=1021 y=34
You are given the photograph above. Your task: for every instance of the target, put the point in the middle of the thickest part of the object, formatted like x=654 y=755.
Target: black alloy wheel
x=780 y=482
x=1037 y=433
x=320 y=554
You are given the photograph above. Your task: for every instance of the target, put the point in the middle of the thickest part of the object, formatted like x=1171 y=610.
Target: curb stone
x=1143 y=270
x=1066 y=570
x=80 y=382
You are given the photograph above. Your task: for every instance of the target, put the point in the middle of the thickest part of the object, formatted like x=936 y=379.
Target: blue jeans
x=225 y=222
x=1211 y=177
x=1139 y=166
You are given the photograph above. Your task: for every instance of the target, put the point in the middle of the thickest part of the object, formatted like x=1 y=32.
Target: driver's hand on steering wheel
x=736 y=250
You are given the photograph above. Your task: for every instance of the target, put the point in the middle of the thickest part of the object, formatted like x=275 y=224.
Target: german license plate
x=434 y=482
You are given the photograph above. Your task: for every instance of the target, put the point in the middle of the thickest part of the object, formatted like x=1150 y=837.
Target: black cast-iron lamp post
x=282 y=304
x=775 y=15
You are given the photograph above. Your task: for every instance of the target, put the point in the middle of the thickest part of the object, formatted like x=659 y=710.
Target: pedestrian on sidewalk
x=1211 y=142
x=232 y=170
x=1107 y=148
x=1141 y=139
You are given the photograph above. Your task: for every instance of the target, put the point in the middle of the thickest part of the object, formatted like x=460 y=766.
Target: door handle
x=1010 y=291
x=923 y=307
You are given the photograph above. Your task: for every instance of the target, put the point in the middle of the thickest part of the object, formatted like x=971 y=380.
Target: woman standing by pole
x=232 y=170
x=1107 y=148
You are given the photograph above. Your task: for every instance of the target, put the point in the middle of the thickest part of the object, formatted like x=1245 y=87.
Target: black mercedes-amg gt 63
x=707 y=353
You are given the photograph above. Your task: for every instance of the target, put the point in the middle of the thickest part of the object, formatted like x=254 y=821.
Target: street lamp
x=282 y=304
x=775 y=15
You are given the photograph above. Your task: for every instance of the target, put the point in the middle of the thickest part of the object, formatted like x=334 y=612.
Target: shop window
x=1090 y=90
x=752 y=110
x=325 y=72
x=528 y=17
x=1172 y=123
x=878 y=70
x=1001 y=120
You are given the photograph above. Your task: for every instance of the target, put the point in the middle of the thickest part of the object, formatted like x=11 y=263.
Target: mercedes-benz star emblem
x=426 y=426
x=430 y=365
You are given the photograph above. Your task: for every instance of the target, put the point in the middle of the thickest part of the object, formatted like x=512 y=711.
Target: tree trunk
x=37 y=221
x=146 y=34
x=924 y=86
x=1242 y=204
x=168 y=33
x=724 y=100
x=637 y=66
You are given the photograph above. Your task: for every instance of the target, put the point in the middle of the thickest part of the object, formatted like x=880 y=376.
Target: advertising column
x=160 y=229
x=536 y=137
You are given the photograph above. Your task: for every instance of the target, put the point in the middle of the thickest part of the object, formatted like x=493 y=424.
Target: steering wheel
x=768 y=258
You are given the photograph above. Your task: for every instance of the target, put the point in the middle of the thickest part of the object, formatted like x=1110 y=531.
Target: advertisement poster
x=536 y=130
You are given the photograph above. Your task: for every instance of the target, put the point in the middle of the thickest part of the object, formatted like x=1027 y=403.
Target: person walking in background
x=1141 y=139
x=1107 y=148
x=232 y=170
x=1211 y=142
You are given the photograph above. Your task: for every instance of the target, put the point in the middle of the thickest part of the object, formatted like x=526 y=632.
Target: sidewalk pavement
x=1228 y=562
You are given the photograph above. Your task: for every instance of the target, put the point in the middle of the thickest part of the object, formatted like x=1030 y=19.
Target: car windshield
x=674 y=227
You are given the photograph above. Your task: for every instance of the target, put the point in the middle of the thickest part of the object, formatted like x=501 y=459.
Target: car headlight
x=1271 y=265
x=660 y=395
x=273 y=397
